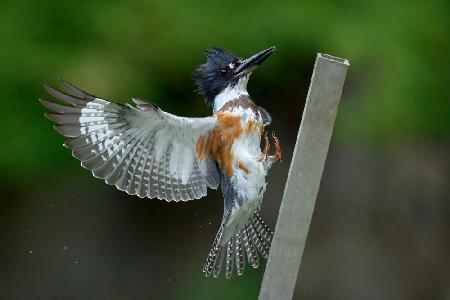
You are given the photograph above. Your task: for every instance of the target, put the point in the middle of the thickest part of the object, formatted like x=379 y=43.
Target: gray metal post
x=304 y=177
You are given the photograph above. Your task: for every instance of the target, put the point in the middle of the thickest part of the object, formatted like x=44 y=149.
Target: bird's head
x=224 y=71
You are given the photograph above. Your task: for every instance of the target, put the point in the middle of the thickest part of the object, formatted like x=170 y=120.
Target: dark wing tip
x=47 y=104
x=69 y=99
x=68 y=131
x=52 y=117
x=73 y=89
x=67 y=145
x=43 y=102
x=52 y=91
x=48 y=89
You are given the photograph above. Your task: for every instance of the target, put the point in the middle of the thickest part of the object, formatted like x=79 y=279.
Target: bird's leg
x=277 y=155
x=266 y=149
x=277 y=147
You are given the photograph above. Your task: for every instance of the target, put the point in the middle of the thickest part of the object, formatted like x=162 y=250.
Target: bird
x=148 y=152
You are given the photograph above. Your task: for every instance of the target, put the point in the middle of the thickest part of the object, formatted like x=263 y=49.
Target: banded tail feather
x=229 y=259
x=253 y=238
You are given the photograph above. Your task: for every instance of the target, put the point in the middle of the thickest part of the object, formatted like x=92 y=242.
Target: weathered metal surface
x=304 y=177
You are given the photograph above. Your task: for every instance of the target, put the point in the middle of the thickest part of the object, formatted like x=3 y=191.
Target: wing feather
x=141 y=150
x=132 y=178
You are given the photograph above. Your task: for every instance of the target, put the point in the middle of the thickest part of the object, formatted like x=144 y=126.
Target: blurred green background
x=381 y=228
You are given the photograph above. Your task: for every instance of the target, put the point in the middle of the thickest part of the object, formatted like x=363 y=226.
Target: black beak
x=251 y=63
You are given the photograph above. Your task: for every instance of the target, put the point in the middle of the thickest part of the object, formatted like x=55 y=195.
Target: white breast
x=246 y=150
x=231 y=92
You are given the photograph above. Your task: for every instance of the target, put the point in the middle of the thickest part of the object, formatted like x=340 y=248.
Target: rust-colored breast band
x=244 y=102
x=219 y=142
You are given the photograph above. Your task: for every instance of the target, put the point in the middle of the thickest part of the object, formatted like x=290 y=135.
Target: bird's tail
x=255 y=236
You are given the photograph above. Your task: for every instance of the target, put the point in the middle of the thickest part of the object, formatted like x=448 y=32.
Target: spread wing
x=141 y=150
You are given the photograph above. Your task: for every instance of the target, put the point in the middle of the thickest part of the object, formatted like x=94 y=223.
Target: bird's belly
x=245 y=153
x=249 y=184
x=249 y=174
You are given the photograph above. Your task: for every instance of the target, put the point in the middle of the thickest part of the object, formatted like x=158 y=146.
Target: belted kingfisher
x=148 y=152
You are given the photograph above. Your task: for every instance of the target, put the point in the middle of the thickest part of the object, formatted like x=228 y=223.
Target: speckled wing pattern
x=140 y=149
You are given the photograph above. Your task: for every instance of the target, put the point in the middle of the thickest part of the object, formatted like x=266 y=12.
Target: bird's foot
x=277 y=156
x=265 y=156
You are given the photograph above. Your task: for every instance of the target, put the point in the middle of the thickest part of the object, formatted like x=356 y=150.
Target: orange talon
x=266 y=155
x=277 y=147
